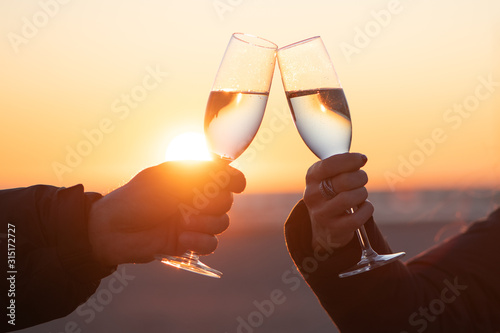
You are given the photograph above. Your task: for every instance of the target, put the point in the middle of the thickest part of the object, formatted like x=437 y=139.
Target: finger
x=350 y=222
x=341 y=183
x=350 y=199
x=198 y=242
x=185 y=178
x=349 y=181
x=342 y=202
x=207 y=224
x=355 y=220
x=181 y=178
x=216 y=204
x=341 y=163
x=237 y=181
x=226 y=177
x=335 y=165
x=312 y=196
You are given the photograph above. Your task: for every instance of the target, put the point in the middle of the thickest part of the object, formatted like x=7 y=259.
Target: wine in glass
x=321 y=114
x=234 y=112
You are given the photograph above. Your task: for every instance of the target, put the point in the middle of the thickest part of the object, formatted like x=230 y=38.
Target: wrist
x=325 y=236
x=97 y=222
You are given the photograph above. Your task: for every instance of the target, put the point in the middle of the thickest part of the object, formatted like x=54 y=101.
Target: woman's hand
x=331 y=218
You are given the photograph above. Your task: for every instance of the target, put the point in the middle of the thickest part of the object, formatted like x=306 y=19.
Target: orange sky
x=92 y=92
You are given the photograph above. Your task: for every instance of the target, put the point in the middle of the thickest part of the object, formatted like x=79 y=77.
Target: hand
x=166 y=209
x=330 y=222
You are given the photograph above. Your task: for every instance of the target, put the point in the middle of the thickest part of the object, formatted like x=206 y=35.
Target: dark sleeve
x=46 y=253
x=453 y=287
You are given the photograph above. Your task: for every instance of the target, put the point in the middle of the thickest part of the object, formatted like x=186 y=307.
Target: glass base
x=189 y=262
x=369 y=263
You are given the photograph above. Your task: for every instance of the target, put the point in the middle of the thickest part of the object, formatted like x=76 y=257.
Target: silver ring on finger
x=326 y=189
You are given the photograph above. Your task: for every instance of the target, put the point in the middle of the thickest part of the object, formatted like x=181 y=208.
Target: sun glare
x=188 y=146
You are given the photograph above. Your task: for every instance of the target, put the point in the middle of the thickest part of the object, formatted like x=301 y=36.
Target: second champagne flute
x=321 y=115
x=234 y=112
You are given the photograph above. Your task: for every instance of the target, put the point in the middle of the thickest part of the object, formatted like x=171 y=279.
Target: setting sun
x=188 y=146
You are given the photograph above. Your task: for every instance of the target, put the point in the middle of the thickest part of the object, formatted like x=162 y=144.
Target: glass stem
x=367 y=253
x=191 y=255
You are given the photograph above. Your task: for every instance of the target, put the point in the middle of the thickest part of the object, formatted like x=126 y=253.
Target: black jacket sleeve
x=46 y=253
x=453 y=287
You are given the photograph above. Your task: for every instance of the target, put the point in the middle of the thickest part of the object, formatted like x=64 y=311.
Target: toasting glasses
x=234 y=112
x=321 y=114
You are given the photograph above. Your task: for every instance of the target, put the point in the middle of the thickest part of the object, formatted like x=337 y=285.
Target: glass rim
x=304 y=41
x=267 y=44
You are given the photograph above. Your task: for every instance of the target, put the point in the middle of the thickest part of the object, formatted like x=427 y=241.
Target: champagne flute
x=321 y=114
x=234 y=112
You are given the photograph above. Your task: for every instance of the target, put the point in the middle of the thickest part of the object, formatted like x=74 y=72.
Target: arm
x=67 y=240
x=451 y=288
x=54 y=261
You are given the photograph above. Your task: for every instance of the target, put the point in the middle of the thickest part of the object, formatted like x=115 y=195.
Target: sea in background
x=253 y=257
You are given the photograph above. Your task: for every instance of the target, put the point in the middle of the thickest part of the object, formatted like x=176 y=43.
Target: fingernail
x=364 y=158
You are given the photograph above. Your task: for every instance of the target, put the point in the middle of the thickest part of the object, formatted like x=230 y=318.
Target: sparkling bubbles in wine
x=323 y=120
x=232 y=120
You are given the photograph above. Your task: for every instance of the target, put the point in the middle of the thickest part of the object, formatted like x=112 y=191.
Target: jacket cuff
x=73 y=245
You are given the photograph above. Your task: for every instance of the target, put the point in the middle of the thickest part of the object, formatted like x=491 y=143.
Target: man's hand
x=329 y=218
x=166 y=209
